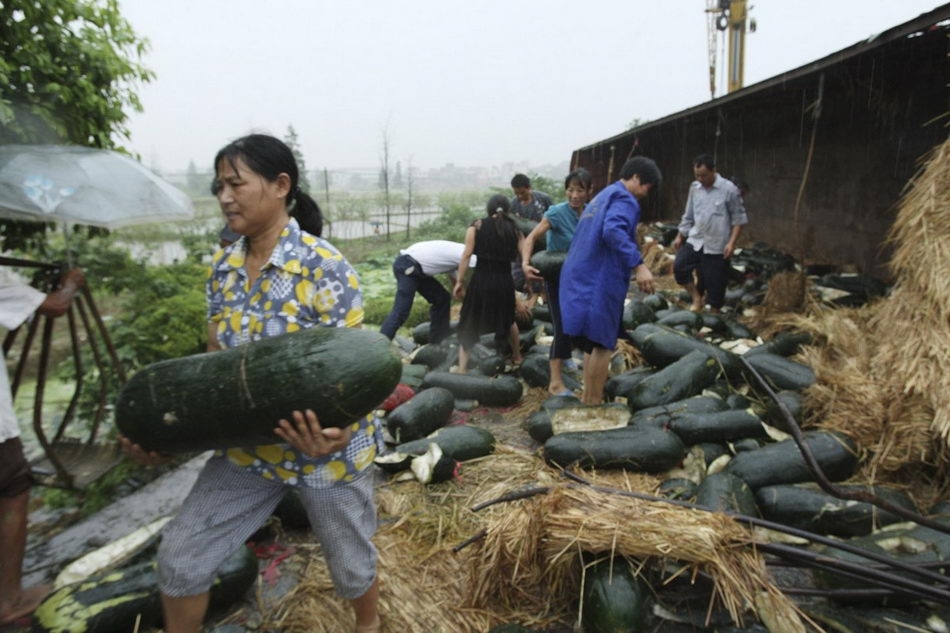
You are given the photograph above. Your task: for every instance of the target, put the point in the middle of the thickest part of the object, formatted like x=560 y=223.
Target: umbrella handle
x=69 y=254
x=25 y=263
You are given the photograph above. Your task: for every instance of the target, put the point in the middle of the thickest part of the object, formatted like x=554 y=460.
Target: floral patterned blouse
x=305 y=283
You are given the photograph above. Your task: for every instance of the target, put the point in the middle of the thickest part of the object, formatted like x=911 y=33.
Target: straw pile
x=527 y=567
x=657 y=258
x=787 y=293
x=913 y=325
x=422 y=582
x=893 y=431
x=882 y=368
x=533 y=552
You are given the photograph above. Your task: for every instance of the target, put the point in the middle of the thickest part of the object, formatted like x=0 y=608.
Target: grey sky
x=475 y=83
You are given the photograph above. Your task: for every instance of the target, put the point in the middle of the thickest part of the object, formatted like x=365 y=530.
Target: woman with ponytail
x=279 y=276
x=489 y=304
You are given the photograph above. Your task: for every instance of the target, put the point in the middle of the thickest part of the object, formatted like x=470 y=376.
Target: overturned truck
x=855 y=122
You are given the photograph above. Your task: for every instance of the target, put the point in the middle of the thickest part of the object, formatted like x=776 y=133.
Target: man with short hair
x=595 y=277
x=532 y=205
x=710 y=228
x=415 y=269
x=18 y=302
x=527 y=202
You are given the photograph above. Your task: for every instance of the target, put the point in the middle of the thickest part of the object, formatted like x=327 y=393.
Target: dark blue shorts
x=712 y=273
x=585 y=344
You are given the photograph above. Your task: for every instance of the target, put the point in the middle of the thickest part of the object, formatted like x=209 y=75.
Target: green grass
x=373 y=258
x=56 y=396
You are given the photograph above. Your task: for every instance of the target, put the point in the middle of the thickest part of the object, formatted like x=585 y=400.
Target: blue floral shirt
x=305 y=283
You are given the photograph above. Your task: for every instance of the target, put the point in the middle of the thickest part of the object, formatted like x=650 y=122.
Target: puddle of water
x=56 y=397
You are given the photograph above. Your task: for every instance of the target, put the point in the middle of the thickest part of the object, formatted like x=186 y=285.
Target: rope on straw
x=815 y=108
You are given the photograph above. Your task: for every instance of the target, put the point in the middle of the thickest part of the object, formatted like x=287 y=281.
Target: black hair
x=270 y=157
x=581 y=176
x=520 y=180
x=741 y=184
x=705 y=160
x=498 y=203
x=506 y=230
x=644 y=168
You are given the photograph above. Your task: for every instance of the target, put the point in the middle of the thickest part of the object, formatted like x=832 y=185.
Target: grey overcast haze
x=479 y=83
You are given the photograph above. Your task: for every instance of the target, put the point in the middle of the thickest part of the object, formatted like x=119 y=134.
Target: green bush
x=165 y=317
x=160 y=314
x=450 y=225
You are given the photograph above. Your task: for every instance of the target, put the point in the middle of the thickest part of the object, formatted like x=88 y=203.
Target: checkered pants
x=227 y=505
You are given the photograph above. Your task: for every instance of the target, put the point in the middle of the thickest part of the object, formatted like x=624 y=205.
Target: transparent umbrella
x=77 y=185
x=83 y=185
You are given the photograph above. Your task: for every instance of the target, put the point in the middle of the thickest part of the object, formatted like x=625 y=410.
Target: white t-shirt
x=437 y=256
x=17 y=302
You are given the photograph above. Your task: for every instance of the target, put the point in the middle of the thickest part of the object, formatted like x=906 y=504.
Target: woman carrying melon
x=278 y=277
x=558 y=224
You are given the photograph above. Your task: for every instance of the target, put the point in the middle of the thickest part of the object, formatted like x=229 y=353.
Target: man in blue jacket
x=595 y=277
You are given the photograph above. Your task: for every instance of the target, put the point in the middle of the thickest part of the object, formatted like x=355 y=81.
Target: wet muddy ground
x=284 y=555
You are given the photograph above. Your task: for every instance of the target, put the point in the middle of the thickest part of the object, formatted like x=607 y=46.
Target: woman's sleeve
x=353 y=296
x=338 y=298
x=213 y=295
x=620 y=223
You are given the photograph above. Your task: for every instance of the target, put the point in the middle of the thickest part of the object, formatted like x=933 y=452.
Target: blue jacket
x=596 y=274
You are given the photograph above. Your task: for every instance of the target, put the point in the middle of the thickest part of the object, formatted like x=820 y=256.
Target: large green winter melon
x=235 y=397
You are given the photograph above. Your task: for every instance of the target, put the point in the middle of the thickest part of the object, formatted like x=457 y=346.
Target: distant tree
x=547 y=185
x=397 y=176
x=324 y=179
x=351 y=208
x=294 y=144
x=408 y=196
x=637 y=122
x=384 y=175
x=196 y=182
x=69 y=70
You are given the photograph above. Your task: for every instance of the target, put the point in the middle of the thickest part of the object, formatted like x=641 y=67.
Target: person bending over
x=415 y=269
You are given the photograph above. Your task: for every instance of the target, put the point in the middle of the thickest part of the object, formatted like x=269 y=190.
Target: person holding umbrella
x=18 y=302
x=278 y=277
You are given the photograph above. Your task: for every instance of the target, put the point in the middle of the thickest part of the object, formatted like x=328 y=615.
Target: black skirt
x=489 y=304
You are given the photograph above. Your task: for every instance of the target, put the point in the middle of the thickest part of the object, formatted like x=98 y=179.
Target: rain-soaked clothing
x=305 y=283
x=596 y=274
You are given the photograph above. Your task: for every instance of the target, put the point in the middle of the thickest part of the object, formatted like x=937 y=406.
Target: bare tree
x=293 y=142
x=326 y=191
x=409 y=196
x=384 y=174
